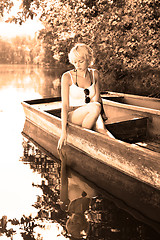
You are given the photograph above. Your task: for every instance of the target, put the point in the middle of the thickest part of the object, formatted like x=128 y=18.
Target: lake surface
x=30 y=206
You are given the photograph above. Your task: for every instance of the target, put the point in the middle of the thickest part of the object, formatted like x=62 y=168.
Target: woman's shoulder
x=66 y=77
x=66 y=74
x=96 y=74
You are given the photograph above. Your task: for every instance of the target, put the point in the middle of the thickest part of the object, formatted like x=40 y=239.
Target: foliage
x=5 y=5
x=19 y=50
x=123 y=34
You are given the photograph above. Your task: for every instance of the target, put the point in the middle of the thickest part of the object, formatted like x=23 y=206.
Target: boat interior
x=139 y=126
x=128 y=124
x=131 y=129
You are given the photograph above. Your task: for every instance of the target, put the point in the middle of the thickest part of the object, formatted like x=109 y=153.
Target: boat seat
x=128 y=128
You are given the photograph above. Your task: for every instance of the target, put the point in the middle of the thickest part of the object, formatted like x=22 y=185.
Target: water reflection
x=69 y=207
x=44 y=81
x=41 y=222
x=18 y=83
x=75 y=196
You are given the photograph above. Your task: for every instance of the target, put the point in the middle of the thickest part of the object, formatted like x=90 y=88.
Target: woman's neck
x=81 y=77
x=82 y=73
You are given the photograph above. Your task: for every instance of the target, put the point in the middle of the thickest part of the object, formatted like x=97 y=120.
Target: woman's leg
x=88 y=116
x=85 y=116
x=100 y=127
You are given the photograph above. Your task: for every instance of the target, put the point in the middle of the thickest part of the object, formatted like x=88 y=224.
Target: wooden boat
x=127 y=167
x=141 y=101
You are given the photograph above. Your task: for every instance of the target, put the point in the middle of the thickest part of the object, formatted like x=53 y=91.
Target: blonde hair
x=81 y=50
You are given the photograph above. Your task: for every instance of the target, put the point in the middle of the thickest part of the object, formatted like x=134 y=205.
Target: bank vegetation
x=124 y=35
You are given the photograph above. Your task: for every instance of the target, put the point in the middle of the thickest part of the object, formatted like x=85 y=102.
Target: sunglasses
x=87 y=98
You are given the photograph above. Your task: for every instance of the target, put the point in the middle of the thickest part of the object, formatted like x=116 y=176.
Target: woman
x=81 y=101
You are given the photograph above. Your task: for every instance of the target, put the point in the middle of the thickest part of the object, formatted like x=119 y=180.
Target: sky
x=9 y=30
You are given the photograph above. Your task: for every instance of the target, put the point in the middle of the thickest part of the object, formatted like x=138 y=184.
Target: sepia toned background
x=35 y=38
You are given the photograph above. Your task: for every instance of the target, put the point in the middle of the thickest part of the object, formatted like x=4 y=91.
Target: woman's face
x=81 y=64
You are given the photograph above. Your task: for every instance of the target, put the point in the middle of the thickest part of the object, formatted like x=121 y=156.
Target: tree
x=5 y=5
x=19 y=50
x=123 y=34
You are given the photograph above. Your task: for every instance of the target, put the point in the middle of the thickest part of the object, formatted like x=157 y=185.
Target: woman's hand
x=62 y=141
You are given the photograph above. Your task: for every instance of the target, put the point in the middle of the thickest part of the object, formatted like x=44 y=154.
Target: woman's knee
x=78 y=116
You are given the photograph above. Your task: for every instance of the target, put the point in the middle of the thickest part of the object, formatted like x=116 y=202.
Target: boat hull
x=124 y=170
x=137 y=162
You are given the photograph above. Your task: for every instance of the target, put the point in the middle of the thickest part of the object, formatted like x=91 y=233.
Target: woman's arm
x=65 y=107
x=97 y=97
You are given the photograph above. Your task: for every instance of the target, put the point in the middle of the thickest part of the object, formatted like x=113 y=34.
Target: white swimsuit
x=77 y=95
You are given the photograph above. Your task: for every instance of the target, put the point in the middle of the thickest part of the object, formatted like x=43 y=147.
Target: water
x=30 y=180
